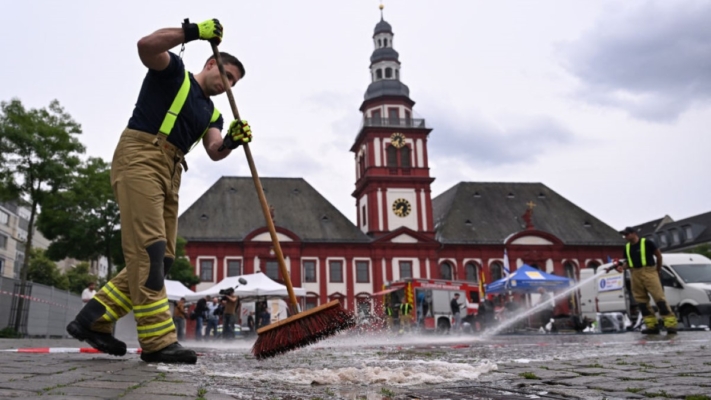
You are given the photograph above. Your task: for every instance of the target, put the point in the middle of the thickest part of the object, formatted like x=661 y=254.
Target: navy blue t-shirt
x=157 y=94
x=636 y=253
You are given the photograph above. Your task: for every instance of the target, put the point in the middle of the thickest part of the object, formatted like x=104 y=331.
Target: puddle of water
x=394 y=373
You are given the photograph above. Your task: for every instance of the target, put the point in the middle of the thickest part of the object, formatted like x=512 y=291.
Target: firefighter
x=639 y=257
x=405 y=317
x=173 y=113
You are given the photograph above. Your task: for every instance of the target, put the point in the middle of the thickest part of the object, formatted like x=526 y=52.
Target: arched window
x=397 y=74
x=496 y=270
x=472 y=271
x=405 y=157
x=379 y=73
x=445 y=271
x=569 y=270
x=380 y=43
x=388 y=72
x=385 y=41
x=593 y=264
x=534 y=265
x=392 y=157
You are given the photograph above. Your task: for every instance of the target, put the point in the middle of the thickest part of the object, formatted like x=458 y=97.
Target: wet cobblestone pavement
x=609 y=366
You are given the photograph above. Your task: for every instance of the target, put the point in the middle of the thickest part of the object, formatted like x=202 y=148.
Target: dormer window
x=663 y=240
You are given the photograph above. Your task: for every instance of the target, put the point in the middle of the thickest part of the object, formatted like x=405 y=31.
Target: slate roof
x=384 y=53
x=700 y=226
x=386 y=87
x=652 y=226
x=485 y=213
x=230 y=210
x=382 y=26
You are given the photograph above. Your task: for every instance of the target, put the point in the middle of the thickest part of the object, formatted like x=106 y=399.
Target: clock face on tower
x=401 y=207
x=397 y=139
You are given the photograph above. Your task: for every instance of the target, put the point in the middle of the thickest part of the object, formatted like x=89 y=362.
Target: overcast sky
x=602 y=101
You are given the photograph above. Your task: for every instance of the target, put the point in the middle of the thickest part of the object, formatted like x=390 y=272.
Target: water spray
x=518 y=317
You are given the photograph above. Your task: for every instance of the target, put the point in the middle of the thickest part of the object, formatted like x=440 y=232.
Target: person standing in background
x=89 y=292
x=179 y=318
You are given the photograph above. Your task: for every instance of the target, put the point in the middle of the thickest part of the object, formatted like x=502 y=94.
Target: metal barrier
x=48 y=309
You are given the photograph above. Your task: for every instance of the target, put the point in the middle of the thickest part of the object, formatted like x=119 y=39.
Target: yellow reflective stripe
x=151 y=309
x=642 y=253
x=110 y=315
x=629 y=257
x=117 y=296
x=215 y=116
x=156 y=329
x=169 y=121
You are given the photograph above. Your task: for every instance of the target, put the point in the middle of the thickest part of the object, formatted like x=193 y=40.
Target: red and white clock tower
x=392 y=173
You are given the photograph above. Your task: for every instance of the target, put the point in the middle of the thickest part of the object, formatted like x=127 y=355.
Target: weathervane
x=381 y=6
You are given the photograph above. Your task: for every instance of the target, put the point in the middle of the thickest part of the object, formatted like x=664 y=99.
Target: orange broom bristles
x=302 y=330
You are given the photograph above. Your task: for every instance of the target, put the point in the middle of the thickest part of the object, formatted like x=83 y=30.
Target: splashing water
x=520 y=316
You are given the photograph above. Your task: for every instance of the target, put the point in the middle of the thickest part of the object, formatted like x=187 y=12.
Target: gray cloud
x=479 y=142
x=652 y=59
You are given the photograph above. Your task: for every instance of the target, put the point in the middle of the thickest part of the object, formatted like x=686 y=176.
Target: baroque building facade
x=400 y=230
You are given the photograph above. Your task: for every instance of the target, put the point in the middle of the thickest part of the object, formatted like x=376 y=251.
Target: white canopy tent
x=257 y=285
x=176 y=290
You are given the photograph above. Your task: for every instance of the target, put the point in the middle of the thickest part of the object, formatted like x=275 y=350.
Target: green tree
x=703 y=249
x=39 y=151
x=82 y=221
x=43 y=270
x=182 y=270
x=79 y=277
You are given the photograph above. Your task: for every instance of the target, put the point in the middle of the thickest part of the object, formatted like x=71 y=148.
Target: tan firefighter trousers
x=645 y=283
x=145 y=176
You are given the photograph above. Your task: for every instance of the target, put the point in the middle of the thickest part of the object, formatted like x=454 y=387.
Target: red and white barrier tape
x=63 y=350
x=37 y=299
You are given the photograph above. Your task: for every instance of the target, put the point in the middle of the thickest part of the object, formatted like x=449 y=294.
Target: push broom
x=299 y=329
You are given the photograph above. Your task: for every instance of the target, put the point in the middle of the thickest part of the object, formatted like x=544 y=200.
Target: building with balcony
x=399 y=229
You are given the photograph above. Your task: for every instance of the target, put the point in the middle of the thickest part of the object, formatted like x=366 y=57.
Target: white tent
x=257 y=285
x=176 y=290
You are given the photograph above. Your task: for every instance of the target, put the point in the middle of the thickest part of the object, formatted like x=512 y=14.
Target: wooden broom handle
x=258 y=185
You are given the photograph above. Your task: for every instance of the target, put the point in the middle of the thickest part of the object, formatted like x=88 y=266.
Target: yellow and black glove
x=238 y=134
x=207 y=30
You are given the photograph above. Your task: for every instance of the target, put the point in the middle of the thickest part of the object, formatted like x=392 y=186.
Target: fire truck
x=432 y=296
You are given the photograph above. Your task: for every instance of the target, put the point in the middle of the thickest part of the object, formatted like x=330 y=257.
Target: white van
x=687 y=286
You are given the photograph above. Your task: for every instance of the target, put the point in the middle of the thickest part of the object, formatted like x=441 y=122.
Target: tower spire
x=381 y=6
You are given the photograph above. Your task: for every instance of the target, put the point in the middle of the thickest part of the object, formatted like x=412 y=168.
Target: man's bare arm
x=212 y=142
x=658 y=254
x=153 y=49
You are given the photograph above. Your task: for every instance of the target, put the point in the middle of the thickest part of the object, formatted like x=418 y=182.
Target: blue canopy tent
x=527 y=279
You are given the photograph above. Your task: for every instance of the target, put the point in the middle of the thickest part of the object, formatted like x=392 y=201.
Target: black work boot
x=104 y=342
x=671 y=331
x=171 y=354
x=650 y=331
